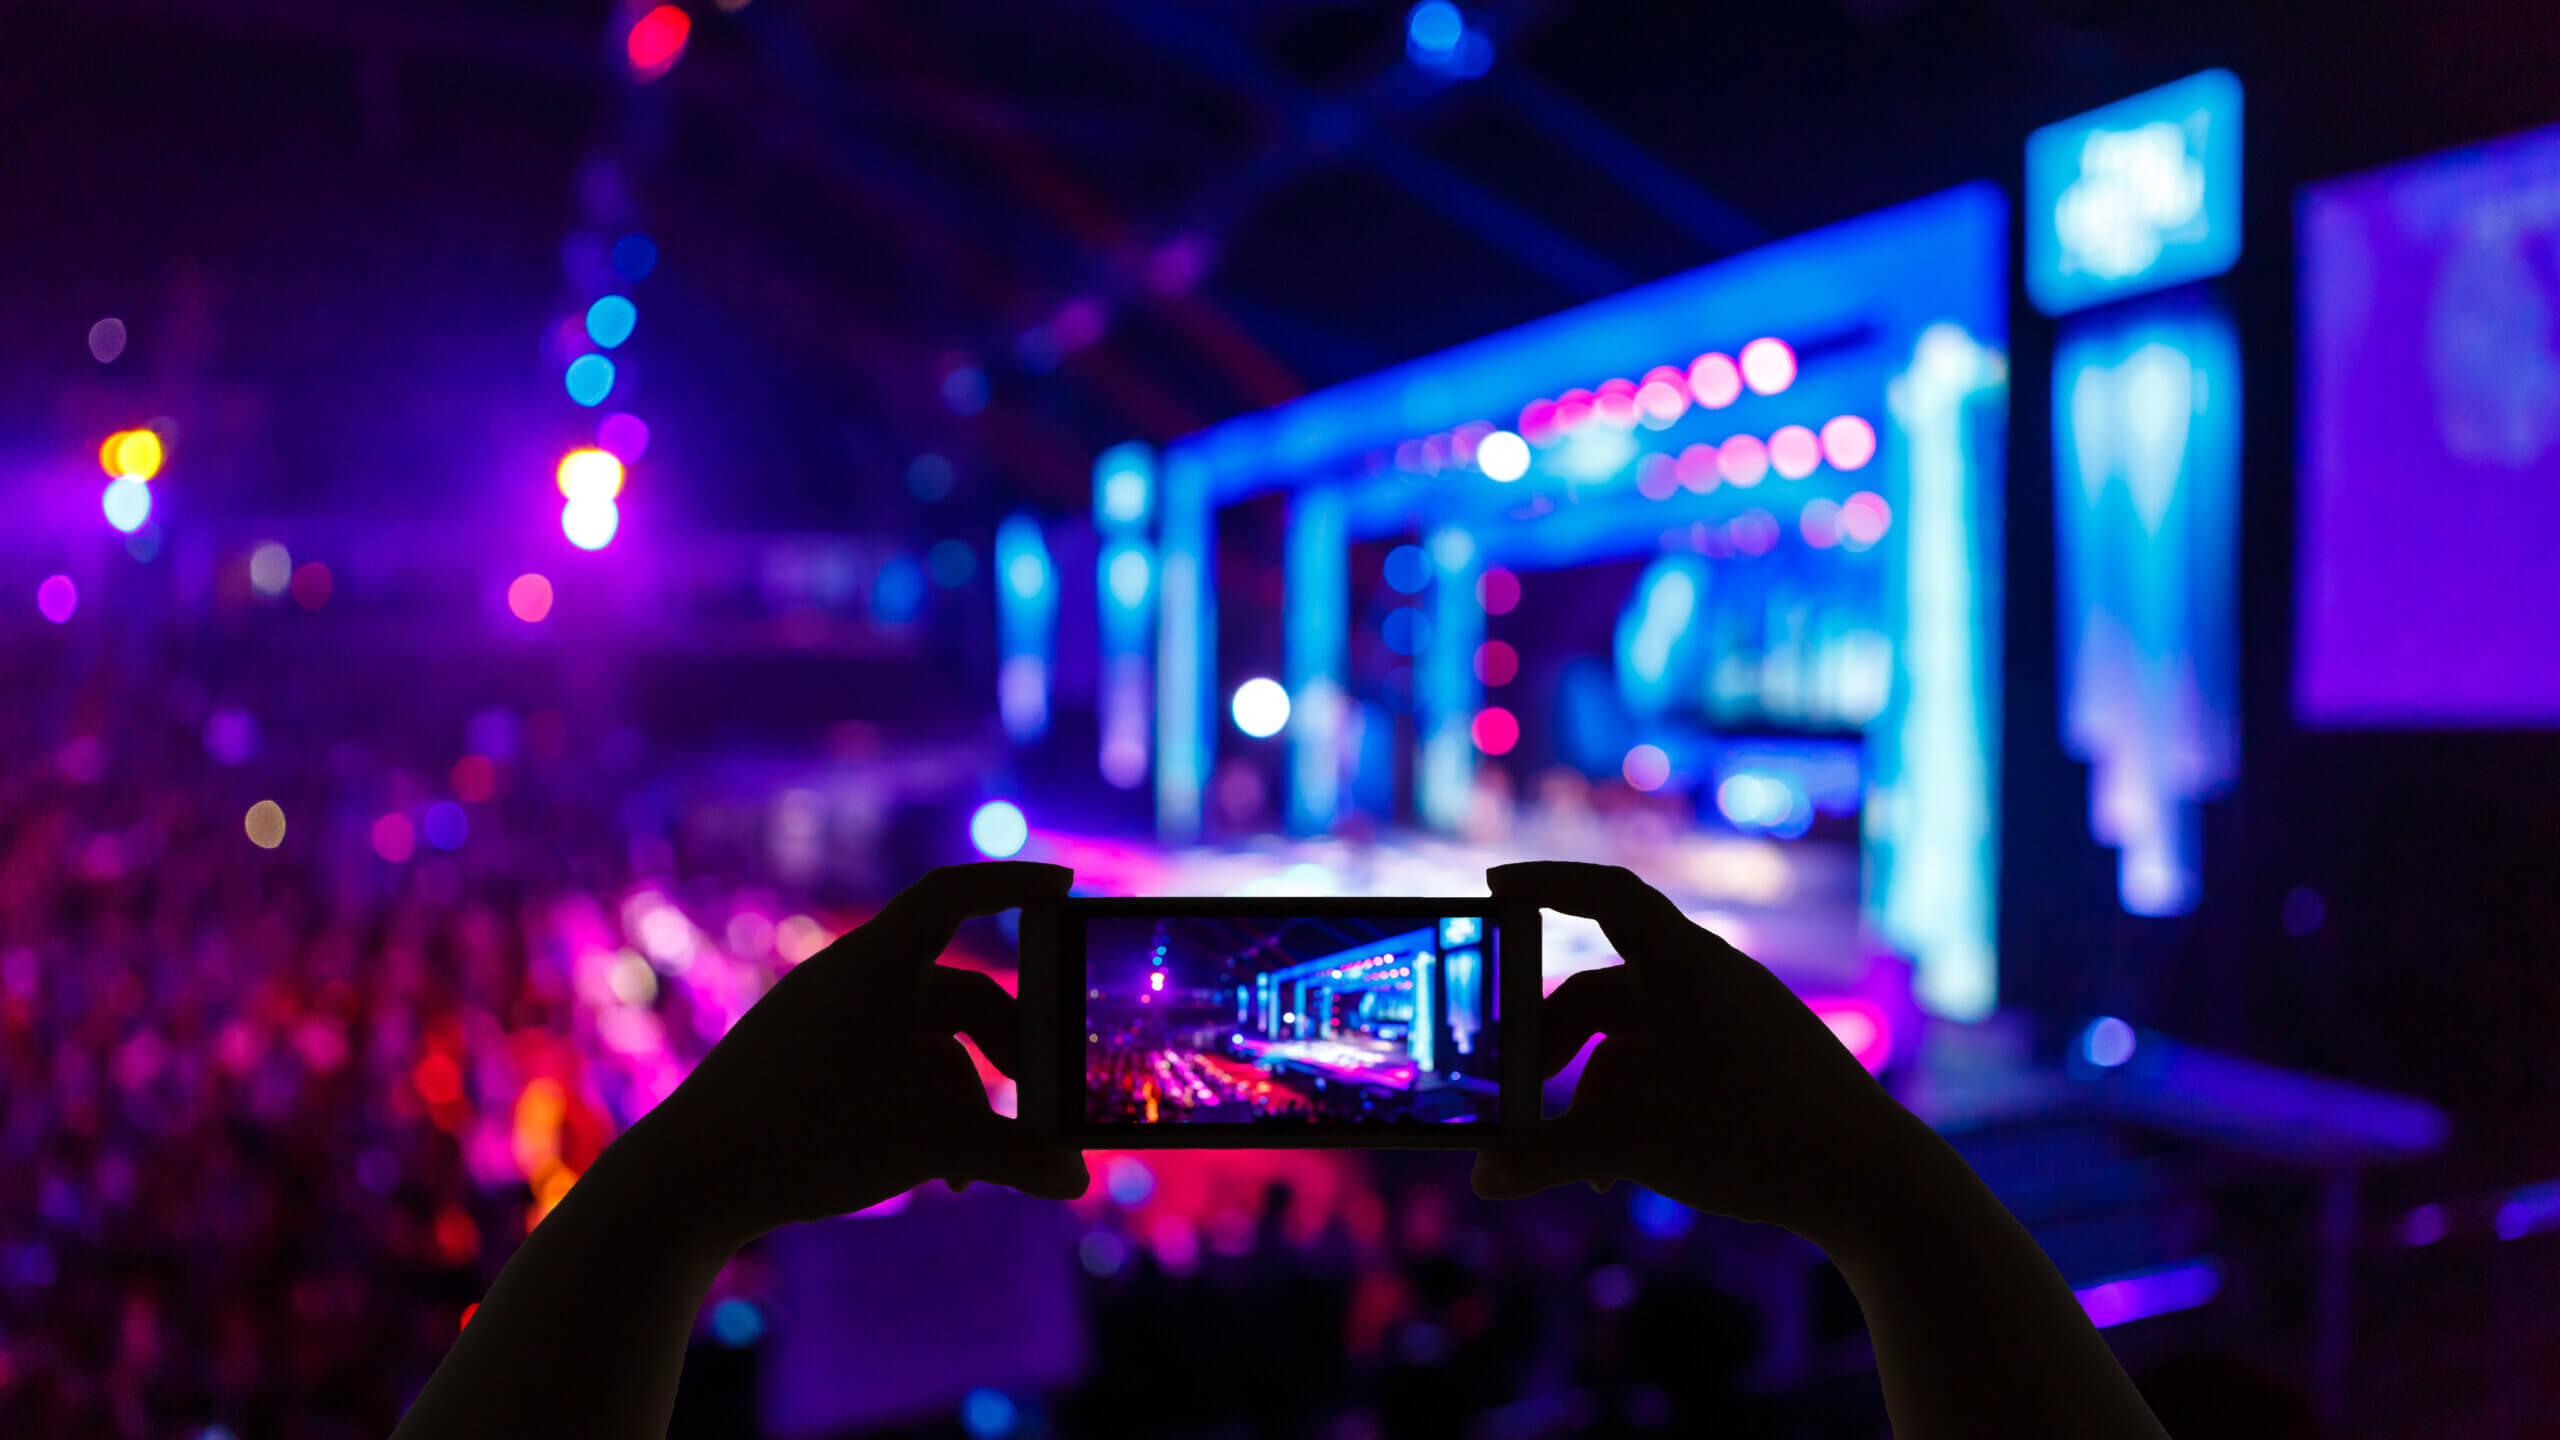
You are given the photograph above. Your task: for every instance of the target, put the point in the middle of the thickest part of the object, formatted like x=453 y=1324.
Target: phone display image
x=1306 y=1020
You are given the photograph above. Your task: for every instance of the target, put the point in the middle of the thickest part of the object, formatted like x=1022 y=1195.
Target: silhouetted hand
x=845 y=1085
x=842 y=1087
x=1715 y=1085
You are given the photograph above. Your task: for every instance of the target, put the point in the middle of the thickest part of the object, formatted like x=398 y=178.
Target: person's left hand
x=845 y=1085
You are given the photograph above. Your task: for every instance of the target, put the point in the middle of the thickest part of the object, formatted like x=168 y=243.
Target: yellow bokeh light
x=265 y=825
x=140 y=454
x=590 y=475
x=137 y=453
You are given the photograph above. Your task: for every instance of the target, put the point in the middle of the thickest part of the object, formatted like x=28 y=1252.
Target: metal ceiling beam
x=1671 y=194
x=1348 y=132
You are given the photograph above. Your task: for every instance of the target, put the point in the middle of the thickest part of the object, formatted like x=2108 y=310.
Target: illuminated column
x=1186 y=650
x=1124 y=486
x=2146 y=430
x=1318 y=600
x=1445 y=689
x=1027 y=613
x=1932 y=814
x=1425 y=1046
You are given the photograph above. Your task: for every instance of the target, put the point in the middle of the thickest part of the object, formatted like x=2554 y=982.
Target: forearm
x=1975 y=1331
x=584 y=1332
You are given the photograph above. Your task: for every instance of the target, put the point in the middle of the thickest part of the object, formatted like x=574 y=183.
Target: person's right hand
x=1714 y=1085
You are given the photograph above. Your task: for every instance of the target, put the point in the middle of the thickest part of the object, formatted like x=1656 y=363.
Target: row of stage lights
x=1713 y=381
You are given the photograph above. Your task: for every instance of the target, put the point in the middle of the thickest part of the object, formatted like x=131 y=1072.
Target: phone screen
x=1318 y=1022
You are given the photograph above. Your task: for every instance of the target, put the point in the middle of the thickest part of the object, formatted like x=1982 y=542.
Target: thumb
x=1006 y=1155
x=1512 y=1171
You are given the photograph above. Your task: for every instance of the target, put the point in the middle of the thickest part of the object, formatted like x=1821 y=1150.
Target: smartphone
x=1273 y=1023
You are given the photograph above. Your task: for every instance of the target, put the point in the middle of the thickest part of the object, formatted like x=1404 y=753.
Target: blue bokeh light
x=989 y=1414
x=1408 y=569
x=999 y=830
x=897 y=592
x=634 y=256
x=610 y=320
x=590 y=379
x=127 y=503
x=737 y=1323
x=447 y=826
x=1434 y=28
x=2107 y=1043
x=1406 y=630
x=1128 y=1180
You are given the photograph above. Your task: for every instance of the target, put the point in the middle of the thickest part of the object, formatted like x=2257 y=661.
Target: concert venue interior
x=2029 y=517
x=1314 y=1020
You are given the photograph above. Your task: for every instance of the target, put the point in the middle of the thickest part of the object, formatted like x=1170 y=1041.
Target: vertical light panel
x=1658 y=637
x=1186 y=651
x=1027 y=615
x=1318 y=601
x=1445 y=688
x=1932 y=813
x=1124 y=490
x=2146 y=426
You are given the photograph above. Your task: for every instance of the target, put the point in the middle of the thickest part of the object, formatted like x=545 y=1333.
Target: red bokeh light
x=1495 y=730
x=394 y=838
x=529 y=598
x=475 y=779
x=438 y=1079
x=467 y=1312
x=657 y=40
x=1715 y=380
x=1498 y=590
x=311 y=585
x=1496 y=662
x=1539 y=424
x=1615 y=404
x=457 y=1238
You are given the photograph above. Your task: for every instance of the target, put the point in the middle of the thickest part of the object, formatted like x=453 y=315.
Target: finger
x=972 y=1003
x=919 y=921
x=1588 y=1003
x=1641 y=922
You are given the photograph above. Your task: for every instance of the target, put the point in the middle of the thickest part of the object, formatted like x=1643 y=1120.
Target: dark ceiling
x=342 y=221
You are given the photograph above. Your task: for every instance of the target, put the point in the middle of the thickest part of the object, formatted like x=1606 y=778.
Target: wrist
x=654 y=1184
x=1893 y=1175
